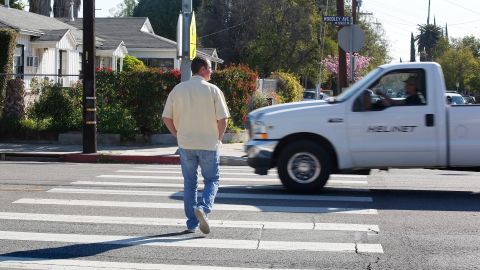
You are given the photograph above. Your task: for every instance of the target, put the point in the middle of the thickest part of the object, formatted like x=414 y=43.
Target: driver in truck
x=413 y=95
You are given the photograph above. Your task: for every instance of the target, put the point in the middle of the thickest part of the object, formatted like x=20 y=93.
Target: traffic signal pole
x=89 y=90
x=342 y=56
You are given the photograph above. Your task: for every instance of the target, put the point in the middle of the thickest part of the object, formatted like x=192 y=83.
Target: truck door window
x=398 y=88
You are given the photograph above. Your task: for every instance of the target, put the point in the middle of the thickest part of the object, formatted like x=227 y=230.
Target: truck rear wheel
x=304 y=167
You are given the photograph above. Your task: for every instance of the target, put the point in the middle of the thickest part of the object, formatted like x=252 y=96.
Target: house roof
x=128 y=29
x=52 y=35
x=27 y=21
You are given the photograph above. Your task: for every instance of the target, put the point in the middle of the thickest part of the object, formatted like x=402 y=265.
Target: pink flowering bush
x=361 y=62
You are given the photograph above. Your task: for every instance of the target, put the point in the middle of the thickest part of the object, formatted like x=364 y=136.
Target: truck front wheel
x=304 y=167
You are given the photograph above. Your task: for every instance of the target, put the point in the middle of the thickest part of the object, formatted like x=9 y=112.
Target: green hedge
x=132 y=102
x=8 y=41
x=238 y=83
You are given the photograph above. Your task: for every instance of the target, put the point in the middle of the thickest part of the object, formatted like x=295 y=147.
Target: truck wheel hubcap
x=304 y=168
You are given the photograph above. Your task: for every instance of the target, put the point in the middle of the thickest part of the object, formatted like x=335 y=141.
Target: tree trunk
x=41 y=7
x=61 y=8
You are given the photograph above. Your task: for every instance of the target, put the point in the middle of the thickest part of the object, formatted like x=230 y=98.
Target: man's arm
x=222 y=126
x=171 y=127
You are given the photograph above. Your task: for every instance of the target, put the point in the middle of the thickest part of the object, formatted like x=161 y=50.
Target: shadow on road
x=92 y=249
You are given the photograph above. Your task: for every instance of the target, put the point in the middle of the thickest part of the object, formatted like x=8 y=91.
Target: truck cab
x=395 y=117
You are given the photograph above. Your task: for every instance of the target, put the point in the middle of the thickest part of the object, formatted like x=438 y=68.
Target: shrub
x=113 y=115
x=129 y=101
x=238 y=83
x=131 y=63
x=61 y=107
x=14 y=106
x=258 y=100
x=146 y=93
x=289 y=87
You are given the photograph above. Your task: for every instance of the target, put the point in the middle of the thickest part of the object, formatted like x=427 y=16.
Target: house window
x=19 y=61
x=166 y=63
x=62 y=63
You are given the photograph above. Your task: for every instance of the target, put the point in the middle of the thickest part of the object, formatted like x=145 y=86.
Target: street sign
x=193 y=38
x=351 y=38
x=338 y=20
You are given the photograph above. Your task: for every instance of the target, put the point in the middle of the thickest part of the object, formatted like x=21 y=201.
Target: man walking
x=197 y=114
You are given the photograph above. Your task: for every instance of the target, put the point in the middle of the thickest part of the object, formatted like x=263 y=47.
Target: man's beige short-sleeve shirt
x=195 y=106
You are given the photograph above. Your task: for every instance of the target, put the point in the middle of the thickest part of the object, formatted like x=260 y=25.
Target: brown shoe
x=204 y=227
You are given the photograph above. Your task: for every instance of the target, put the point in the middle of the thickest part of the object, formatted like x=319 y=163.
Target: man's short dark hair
x=198 y=63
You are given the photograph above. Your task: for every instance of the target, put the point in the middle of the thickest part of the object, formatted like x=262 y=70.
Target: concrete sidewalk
x=230 y=154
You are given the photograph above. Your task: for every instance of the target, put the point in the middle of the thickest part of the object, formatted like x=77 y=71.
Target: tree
x=287 y=38
x=460 y=66
x=41 y=7
x=412 y=49
x=18 y=4
x=229 y=26
x=61 y=8
x=428 y=37
x=361 y=65
x=473 y=44
x=376 y=45
x=124 y=9
x=163 y=15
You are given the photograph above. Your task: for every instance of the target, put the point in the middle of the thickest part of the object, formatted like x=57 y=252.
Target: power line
x=226 y=29
x=460 y=6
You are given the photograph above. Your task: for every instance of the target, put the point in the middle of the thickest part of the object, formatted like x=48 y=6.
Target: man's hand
x=171 y=127
x=222 y=126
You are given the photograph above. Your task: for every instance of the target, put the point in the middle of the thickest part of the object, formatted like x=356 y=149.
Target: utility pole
x=185 y=66
x=89 y=91
x=354 y=11
x=342 y=57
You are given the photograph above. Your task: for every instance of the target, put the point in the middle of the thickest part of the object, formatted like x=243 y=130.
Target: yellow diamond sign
x=193 y=38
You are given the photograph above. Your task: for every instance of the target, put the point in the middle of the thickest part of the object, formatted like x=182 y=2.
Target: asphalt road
x=99 y=216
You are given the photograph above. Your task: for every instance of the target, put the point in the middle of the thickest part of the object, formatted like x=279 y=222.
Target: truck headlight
x=259 y=130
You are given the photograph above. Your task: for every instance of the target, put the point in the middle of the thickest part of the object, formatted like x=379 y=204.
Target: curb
x=101 y=158
x=107 y=158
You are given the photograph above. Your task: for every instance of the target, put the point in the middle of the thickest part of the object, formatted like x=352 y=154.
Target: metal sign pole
x=186 y=62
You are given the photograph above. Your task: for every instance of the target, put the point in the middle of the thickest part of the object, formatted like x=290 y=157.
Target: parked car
x=469 y=99
x=309 y=141
x=453 y=98
x=311 y=95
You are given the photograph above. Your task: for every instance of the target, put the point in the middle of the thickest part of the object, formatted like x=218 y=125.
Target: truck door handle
x=429 y=120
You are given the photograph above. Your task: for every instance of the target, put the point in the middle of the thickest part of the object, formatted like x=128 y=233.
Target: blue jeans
x=209 y=162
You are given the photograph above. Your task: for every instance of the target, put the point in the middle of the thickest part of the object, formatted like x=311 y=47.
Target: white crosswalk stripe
x=265 y=180
x=219 y=195
x=62 y=264
x=188 y=241
x=218 y=206
x=181 y=222
x=173 y=185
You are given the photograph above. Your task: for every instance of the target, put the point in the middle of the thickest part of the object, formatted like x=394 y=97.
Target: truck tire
x=304 y=167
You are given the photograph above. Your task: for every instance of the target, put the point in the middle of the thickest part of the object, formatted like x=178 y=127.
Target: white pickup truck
x=395 y=117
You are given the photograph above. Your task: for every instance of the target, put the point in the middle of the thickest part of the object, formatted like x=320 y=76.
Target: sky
x=398 y=18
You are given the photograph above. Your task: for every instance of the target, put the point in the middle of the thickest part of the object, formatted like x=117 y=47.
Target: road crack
x=260 y=236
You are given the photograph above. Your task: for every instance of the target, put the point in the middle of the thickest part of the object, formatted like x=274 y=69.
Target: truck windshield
x=355 y=87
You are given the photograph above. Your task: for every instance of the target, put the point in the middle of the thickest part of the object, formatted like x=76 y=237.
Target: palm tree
x=41 y=7
x=61 y=8
x=429 y=35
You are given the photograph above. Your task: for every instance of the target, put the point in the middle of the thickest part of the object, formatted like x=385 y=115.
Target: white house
x=141 y=41
x=47 y=47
